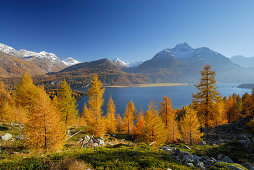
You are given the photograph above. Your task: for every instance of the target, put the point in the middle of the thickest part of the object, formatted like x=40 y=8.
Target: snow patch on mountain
x=119 y=63
x=70 y=61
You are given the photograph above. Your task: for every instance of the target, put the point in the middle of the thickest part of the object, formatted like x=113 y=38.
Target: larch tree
x=220 y=117
x=168 y=115
x=190 y=126
x=247 y=108
x=95 y=93
x=25 y=93
x=111 y=122
x=67 y=104
x=44 y=129
x=119 y=124
x=128 y=119
x=140 y=125
x=153 y=130
x=207 y=94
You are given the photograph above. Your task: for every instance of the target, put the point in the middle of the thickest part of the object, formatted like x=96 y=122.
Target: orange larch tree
x=168 y=115
x=128 y=119
x=140 y=125
x=44 y=129
x=95 y=93
x=67 y=104
x=190 y=126
x=111 y=122
x=153 y=130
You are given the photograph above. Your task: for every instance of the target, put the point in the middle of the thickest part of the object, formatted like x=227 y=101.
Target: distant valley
x=181 y=64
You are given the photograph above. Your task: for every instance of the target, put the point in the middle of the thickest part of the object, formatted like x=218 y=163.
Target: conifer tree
x=220 y=117
x=119 y=124
x=168 y=115
x=67 y=104
x=189 y=126
x=25 y=93
x=140 y=125
x=207 y=94
x=111 y=116
x=153 y=130
x=247 y=105
x=95 y=93
x=128 y=119
x=44 y=129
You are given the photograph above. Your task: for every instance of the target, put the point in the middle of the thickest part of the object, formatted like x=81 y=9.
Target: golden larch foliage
x=44 y=129
x=111 y=122
x=95 y=121
x=168 y=115
x=190 y=126
x=219 y=116
x=119 y=124
x=154 y=130
x=25 y=94
x=128 y=119
x=67 y=104
x=140 y=125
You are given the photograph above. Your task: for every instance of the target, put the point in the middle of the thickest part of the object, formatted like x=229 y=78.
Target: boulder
x=224 y=158
x=6 y=137
x=189 y=164
x=187 y=159
x=200 y=165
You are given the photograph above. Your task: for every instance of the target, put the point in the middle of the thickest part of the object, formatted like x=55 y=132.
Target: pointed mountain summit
x=119 y=63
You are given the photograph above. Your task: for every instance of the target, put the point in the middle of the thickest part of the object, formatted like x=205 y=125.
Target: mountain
x=46 y=61
x=245 y=62
x=120 y=64
x=70 y=61
x=80 y=74
x=135 y=64
x=183 y=64
x=13 y=66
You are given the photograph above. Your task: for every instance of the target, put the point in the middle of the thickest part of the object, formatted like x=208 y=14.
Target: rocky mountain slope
x=13 y=66
x=47 y=62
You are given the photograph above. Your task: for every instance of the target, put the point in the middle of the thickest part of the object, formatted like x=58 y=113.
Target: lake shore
x=152 y=85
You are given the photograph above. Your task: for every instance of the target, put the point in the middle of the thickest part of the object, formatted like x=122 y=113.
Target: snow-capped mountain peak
x=70 y=61
x=119 y=63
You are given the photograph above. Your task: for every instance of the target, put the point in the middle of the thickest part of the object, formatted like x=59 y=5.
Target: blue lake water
x=142 y=96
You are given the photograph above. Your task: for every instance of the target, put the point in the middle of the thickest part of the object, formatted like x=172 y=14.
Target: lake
x=142 y=96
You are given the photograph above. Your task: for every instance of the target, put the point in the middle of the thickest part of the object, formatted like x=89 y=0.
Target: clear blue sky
x=132 y=30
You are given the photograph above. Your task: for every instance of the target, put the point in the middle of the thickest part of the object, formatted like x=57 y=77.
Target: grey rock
x=181 y=154
x=200 y=165
x=189 y=164
x=114 y=135
x=186 y=147
x=224 y=158
x=101 y=142
x=6 y=137
x=187 y=159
